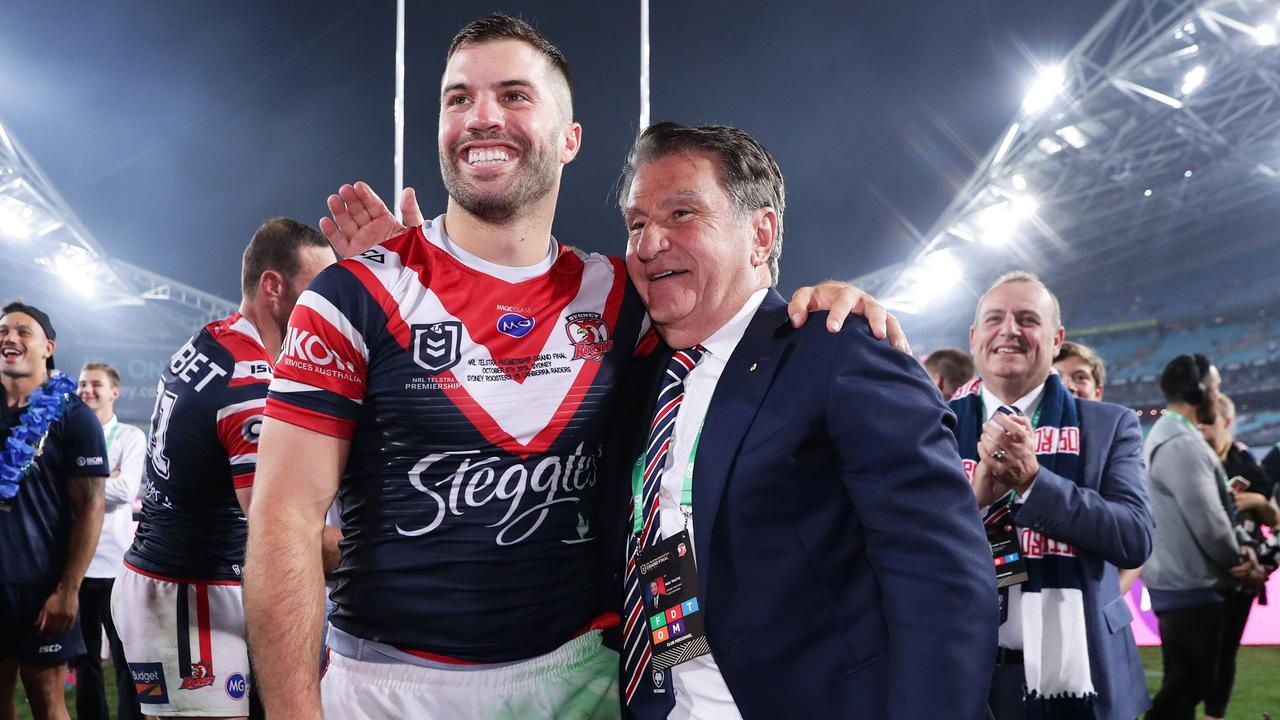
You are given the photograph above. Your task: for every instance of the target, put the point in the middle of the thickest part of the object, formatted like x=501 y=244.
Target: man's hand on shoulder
x=361 y=219
x=840 y=300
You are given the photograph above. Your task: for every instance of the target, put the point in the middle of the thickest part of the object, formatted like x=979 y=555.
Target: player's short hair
x=111 y=372
x=277 y=245
x=1097 y=367
x=953 y=364
x=504 y=27
x=1026 y=277
x=748 y=173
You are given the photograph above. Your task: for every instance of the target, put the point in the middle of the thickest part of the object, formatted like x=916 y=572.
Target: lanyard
x=637 y=484
x=1219 y=471
x=111 y=434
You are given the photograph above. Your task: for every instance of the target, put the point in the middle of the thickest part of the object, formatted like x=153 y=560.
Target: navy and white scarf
x=1050 y=604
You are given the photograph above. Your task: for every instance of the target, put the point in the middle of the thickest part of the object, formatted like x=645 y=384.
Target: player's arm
x=841 y=300
x=297 y=478
x=86 y=497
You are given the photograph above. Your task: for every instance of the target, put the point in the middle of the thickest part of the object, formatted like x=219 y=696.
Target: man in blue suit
x=1071 y=473
x=797 y=494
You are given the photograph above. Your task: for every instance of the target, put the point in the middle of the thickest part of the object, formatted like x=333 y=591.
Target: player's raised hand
x=361 y=219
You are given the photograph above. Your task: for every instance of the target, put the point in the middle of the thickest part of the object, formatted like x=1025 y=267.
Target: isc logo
x=515 y=324
x=306 y=346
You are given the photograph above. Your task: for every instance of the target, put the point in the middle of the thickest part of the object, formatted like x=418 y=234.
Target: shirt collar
x=723 y=341
x=110 y=423
x=1026 y=404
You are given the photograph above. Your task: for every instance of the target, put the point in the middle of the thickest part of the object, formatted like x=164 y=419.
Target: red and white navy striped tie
x=636 y=648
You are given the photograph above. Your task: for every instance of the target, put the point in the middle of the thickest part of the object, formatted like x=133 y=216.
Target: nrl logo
x=437 y=347
x=589 y=335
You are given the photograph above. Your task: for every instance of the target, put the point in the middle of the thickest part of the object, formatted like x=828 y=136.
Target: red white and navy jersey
x=203 y=446
x=476 y=410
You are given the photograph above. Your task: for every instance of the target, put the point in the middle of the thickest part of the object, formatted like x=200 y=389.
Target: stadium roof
x=1160 y=126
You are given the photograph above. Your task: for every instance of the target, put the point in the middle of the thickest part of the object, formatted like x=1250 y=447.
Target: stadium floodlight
x=933 y=275
x=15 y=219
x=1265 y=35
x=76 y=269
x=1073 y=135
x=1045 y=89
x=1193 y=79
x=1049 y=146
x=1019 y=182
x=998 y=223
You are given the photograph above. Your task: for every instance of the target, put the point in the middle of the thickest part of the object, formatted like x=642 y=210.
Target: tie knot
x=683 y=361
x=1011 y=410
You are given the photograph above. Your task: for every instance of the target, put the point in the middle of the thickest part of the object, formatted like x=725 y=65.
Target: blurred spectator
x=1196 y=553
x=1253 y=509
x=99 y=388
x=949 y=368
x=1082 y=370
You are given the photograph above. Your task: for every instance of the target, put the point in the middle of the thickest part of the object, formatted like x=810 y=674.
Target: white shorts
x=185 y=644
x=577 y=681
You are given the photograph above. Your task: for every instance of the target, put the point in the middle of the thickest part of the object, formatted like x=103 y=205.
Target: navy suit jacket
x=1107 y=517
x=843 y=567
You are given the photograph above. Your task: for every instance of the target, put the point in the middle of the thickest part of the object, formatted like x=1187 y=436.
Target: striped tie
x=635 y=631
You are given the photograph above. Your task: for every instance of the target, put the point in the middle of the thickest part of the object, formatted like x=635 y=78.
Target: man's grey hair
x=1022 y=276
x=748 y=173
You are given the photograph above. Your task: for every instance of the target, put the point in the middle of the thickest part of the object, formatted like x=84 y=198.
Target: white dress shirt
x=700 y=690
x=1010 y=633
x=126 y=453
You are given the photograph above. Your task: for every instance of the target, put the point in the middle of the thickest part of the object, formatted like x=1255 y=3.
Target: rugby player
x=51 y=505
x=177 y=603
x=453 y=385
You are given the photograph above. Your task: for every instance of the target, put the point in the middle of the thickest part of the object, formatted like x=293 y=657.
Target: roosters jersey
x=202 y=447
x=476 y=410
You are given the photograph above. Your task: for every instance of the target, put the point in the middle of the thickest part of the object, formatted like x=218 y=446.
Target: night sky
x=174 y=128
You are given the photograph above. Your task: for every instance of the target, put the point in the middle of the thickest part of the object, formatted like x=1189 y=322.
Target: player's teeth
x=487 y=156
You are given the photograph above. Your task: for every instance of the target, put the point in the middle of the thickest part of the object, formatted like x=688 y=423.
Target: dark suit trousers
x=91 y=697
x=1005 y=698
x=1235 y=613
x=1190 y=639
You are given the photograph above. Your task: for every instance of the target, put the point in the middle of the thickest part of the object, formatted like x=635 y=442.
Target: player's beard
x=533 y=179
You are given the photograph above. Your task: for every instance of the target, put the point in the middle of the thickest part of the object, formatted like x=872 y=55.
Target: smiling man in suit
x=837 y=562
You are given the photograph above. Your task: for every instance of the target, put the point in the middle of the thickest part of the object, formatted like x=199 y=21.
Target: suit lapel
x=737 y=398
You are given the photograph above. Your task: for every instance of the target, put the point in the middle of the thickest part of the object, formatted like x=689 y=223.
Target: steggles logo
x=474 y=483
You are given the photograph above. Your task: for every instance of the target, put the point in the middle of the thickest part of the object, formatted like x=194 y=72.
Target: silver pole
x=644 y=64
x=399 y=109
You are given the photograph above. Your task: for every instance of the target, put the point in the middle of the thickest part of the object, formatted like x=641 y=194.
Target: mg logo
x=515 y=325
x=437 y=347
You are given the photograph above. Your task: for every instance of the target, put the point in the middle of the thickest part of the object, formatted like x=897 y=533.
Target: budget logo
x=437 y=346
x=515 y=325
x=236 y=686
x=148 y=680
x=589 y=335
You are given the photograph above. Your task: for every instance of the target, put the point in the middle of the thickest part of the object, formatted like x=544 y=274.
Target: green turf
x=1257 y=684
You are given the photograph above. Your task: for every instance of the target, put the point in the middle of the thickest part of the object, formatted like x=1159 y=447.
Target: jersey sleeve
x=85 y=447
x=320 y=378
x=239 y=421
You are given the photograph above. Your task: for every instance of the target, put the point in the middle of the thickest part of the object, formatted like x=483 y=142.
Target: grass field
x=1257 y=684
